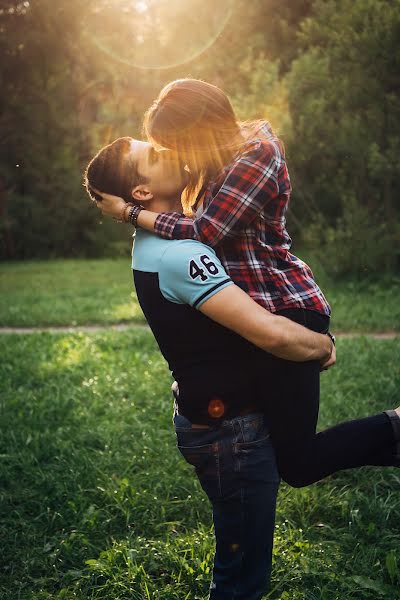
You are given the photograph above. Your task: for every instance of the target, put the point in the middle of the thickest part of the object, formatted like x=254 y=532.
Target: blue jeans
x=235 y=464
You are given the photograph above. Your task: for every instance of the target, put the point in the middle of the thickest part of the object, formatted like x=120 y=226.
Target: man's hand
x=111 y=206
x=331 y=360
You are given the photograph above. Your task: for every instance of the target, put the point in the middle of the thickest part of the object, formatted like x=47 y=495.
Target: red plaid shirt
x=243 y=219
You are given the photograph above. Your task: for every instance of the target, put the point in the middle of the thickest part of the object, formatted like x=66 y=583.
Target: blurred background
x=75 y=75
x=94 y=500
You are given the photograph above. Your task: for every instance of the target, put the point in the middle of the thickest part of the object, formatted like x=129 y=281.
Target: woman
x=241 y=188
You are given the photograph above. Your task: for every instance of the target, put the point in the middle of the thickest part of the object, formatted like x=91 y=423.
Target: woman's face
x=194 y=159
x=206 y=149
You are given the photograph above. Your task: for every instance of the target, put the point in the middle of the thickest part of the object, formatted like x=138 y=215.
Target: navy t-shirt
x=213 y=366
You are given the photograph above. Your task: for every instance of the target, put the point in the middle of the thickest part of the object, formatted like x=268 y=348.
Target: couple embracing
x=240 y=320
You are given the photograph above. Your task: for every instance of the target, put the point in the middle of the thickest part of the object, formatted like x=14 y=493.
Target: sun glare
x=157 y=34
x=141 y=7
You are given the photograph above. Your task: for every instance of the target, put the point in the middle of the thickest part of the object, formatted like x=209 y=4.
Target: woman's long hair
x=196 y=119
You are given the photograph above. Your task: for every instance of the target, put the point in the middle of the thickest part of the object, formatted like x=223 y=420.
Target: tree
x=345 y=108
x=51 y=101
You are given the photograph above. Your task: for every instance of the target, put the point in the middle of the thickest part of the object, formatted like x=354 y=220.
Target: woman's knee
x=295 y=481
x=294 y=474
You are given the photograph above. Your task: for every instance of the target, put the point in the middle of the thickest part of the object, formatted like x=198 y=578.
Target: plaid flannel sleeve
x=248 y=187
x=174 y=226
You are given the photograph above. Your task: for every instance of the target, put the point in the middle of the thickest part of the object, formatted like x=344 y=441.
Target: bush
x=45 y=228
x=359 y=245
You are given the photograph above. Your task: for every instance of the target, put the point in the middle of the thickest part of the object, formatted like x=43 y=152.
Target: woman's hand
x=114 y=206
x=111 y=206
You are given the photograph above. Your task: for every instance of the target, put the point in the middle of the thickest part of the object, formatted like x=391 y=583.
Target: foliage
x=40 y=149
x=264 y=95
x=357 y=247
x=345 y=107
x=45 y=138
x=76 y=75
x=97 y=503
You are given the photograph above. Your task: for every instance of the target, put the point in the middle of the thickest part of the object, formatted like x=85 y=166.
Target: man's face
x=165 y=173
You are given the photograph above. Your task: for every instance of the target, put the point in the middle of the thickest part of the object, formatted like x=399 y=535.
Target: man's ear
x=141 y=193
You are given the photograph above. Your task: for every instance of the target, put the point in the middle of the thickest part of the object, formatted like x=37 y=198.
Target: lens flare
x=157 y=34
x=216 y=408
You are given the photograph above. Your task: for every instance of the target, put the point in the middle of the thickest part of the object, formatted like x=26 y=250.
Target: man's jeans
x=235 y=464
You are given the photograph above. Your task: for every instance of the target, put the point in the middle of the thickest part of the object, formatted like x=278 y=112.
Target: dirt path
x=384 y=335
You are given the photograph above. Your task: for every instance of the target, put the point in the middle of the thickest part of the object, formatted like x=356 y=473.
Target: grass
x=96 y=503
x=78 y=292
x=67 y=292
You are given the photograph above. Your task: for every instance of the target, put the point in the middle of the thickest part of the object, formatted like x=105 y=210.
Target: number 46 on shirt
x=201 y=266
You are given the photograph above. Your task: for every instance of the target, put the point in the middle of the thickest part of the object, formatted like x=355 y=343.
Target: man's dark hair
x=114 y=171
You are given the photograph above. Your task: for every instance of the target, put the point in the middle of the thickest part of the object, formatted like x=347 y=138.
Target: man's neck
x=164 y=205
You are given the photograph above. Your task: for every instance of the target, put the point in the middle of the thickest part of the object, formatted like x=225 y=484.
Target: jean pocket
x=206 y=463
x=197 y=456
x=254 y=444
x=252 y=431
x=256 y=461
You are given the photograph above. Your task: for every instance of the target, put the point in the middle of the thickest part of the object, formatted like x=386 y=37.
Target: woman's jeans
x=235 y=464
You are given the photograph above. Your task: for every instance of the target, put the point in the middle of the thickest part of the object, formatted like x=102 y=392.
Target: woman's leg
x=303 y=456
x=236 y=467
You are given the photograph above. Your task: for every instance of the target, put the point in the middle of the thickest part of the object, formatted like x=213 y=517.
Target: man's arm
x=235 y=310
x=191 y=273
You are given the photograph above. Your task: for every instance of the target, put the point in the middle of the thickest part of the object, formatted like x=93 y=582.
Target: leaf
x=73 y=574
x=391 y=565
x=370 y=584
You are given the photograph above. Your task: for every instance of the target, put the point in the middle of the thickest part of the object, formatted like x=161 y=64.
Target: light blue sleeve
x=190 y=273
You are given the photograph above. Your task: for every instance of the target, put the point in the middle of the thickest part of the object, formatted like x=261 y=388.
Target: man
x=214 y=337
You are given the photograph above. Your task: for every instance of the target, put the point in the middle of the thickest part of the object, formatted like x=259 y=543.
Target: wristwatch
x=333 y=338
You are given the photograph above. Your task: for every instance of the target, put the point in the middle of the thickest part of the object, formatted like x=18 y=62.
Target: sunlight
x=124 y=312
x=157 y=34
x=141 y=6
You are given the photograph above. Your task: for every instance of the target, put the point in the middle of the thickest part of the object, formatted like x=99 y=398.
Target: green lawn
x=67 y=292
x=96 y=502
x=77 y=292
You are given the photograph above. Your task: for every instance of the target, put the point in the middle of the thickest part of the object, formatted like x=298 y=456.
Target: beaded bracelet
x=126 y=211
x=134 y=213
